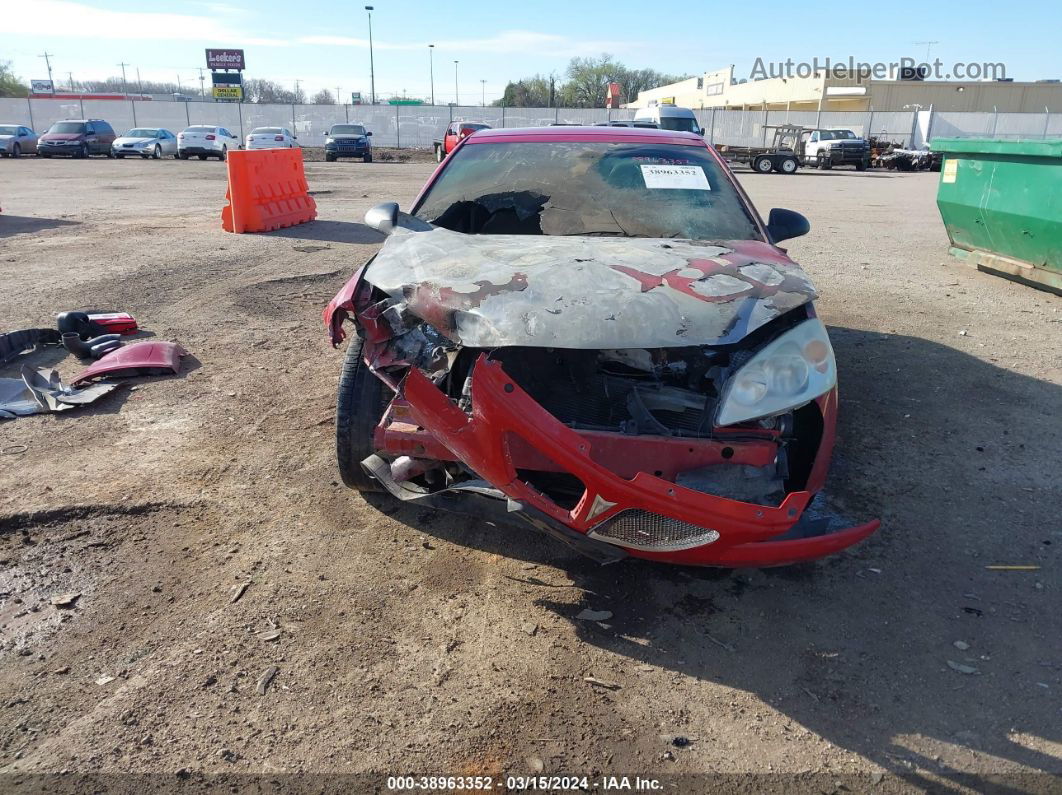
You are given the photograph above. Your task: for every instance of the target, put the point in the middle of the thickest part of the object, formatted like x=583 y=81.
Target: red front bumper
x=507 y=429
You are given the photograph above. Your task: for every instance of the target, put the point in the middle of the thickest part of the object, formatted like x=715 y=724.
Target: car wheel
x=861 y=165
x=224 y=153
x=330 y=158
x=201 y=157
x=182 y=155
x=16 y=151
x=359 y=407
x=763 y=165
x=43 y=155
x=438 y=153
x=367 y=158
x=83 y=151
x=176 y=155
x=157 y=154
x=110 y=153
x=788 y=165
x=122 y=157
x=824 y=162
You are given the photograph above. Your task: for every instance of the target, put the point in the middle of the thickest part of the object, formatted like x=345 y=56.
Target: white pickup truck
x=829 y=148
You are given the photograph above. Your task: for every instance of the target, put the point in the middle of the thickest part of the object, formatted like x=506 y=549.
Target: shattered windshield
x=573 y=188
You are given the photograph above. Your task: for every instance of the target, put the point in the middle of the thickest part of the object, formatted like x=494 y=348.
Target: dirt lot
x=413 y=642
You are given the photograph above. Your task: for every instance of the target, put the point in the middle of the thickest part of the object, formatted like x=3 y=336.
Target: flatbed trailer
x=784 y=155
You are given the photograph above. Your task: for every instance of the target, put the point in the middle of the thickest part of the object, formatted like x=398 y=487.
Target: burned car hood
x=490 y=291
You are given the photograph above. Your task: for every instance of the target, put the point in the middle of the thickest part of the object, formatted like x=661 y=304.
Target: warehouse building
x=821 y=91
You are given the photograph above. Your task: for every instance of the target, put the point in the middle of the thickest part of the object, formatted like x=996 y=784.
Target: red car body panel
x=507 y=430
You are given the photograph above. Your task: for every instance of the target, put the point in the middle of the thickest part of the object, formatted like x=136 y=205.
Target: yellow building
x=719 y=89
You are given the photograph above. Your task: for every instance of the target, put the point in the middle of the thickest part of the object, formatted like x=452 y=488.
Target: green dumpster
x=1001 y=202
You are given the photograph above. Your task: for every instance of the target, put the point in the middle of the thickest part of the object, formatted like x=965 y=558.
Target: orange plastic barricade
x=267 y=191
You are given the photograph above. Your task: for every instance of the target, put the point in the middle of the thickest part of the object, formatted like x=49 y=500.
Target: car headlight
x=330 y=140
x=790 y=371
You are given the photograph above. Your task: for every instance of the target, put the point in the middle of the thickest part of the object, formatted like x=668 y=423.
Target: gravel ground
x=406 y=641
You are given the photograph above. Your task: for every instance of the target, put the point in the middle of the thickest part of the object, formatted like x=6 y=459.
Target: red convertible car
x=591 y=332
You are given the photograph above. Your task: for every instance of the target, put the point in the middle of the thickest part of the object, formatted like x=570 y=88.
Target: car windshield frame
x=142 y=132
x=541 y=187
x=78 y=128
x=354 y=128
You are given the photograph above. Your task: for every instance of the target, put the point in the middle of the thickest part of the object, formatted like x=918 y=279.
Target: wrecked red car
x=591 y=332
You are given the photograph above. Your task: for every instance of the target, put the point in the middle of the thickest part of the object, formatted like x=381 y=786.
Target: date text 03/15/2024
x=521 y=783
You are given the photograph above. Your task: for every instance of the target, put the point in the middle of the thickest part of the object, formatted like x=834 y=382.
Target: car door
x=90 y=138
x=106 y=136
x=27 y=139
x=169 y=142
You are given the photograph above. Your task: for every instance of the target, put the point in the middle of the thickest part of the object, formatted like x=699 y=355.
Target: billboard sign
x=225 y=59
x=355 y=97
x=42 y=86
x=227 y=78
x=228 y=92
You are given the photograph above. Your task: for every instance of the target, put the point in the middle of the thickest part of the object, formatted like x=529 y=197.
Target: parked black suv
x=77 y=138
x=348 y=140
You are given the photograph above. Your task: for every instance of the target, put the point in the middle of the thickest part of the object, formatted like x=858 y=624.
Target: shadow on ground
x=25 y=224
x=331 y=231
x=859 y=648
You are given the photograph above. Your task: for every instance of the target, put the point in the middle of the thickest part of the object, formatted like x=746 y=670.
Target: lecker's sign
x=225 y=59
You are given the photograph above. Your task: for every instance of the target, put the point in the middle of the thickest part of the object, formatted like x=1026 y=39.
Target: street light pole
x=457 y=93
x=372 y=67
x=431 y=70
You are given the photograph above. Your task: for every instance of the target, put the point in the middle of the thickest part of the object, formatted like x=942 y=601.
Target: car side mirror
x=786 y=224
x=368 y=134
x=383 y=217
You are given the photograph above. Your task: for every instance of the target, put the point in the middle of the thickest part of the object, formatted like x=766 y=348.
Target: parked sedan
x=589 y=331
x=146 y=142
x=271 y=138
x=16 y=139
x=204 y=142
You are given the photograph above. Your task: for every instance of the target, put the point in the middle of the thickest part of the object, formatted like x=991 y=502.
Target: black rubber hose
x=93 y=348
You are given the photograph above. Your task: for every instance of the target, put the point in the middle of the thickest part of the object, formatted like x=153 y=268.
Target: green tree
x=531 y=92
x=11 y=86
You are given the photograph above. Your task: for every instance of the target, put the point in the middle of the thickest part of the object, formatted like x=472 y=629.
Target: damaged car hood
x=582 y=292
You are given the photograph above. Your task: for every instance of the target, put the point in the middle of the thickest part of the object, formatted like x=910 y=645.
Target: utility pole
x=431 y=70
x=929 y=46
x=125 y=85
x=71 y=76
x=552 y=82
x=457 y=93
x=202 y=89
x=372 y=67
x=180 y=90
x=47 y=61
x=339 y=97
x=483 y=93
x=296 y=91
x=139 y=82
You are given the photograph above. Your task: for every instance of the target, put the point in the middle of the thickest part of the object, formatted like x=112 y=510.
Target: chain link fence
x=417 y=126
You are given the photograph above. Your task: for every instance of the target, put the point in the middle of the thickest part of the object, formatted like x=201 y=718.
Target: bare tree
x=323 y=97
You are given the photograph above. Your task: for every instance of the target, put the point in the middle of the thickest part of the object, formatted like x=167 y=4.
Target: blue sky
x=324 y=43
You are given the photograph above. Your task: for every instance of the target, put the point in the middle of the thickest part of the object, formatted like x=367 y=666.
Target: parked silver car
x=146 y=142
x=16 y=139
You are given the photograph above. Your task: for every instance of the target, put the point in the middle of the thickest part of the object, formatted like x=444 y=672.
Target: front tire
x=438 y=153
x=157 y=154
x=359 y=407
x=83 y=151
x=16 y=151
x=224 y=153
x=367 y=158
x=202 y=157
x=330 y=158
x=762 y=165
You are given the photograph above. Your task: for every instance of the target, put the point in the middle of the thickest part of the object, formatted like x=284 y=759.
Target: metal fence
x=416 y=126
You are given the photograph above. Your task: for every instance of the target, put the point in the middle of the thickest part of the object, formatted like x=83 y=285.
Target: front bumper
x=71 y=149
x=842 y=157
x=641 y=514
x=347 y=151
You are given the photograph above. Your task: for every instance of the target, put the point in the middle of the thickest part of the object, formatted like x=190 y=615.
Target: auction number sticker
x=675 y=177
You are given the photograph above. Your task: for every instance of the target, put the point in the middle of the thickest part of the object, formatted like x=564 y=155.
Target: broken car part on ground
x=591 y=331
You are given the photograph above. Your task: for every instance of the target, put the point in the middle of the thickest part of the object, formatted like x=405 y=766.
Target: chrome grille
x=640 y=529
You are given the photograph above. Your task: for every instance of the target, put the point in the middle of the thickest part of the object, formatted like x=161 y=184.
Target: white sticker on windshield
x=675 y=177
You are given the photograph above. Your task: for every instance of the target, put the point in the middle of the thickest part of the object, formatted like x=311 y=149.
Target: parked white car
x=271 y=138
x=204 y=142
x=146 y=142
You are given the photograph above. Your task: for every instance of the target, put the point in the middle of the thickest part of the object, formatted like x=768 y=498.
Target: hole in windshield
x=593 y=189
